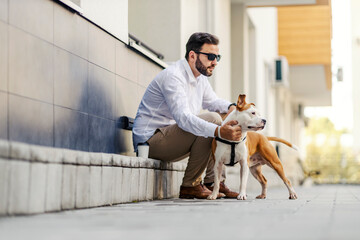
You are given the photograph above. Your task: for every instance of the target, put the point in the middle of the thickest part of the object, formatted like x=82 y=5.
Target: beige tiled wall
x=30 y=66
x=33 y=16
x=4 y=10
x=71 y=32
x=53 y=58
x=3 y=56
x=101 y=48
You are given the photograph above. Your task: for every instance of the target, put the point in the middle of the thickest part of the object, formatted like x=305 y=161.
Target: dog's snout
x=263 y=121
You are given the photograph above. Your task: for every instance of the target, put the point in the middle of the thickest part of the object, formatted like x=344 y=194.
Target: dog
x=252 y=151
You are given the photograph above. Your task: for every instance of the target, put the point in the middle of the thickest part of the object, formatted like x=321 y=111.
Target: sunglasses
x=211 y=56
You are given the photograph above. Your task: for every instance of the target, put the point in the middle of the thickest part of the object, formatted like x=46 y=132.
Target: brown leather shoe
x=199 y=191
x=223 y=189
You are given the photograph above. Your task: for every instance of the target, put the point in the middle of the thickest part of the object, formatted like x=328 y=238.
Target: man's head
x=202 y=53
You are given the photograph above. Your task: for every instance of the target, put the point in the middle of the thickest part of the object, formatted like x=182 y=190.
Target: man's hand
x=230 y=131
x=232 y=108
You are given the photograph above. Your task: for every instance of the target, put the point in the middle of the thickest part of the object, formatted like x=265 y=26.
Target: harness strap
x=232 y=154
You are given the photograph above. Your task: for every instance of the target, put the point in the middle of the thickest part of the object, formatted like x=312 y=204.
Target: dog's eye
x=253 y=113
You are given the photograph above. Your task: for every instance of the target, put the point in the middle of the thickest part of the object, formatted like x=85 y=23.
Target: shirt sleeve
x=211 y=101
x=174 y=92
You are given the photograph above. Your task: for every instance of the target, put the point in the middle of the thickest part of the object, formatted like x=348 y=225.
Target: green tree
x=326 y=154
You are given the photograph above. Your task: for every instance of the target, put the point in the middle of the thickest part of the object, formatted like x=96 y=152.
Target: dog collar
x=232 y=154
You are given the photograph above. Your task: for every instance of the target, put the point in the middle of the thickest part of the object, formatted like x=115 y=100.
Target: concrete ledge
x=37 y=179
x=34 y=153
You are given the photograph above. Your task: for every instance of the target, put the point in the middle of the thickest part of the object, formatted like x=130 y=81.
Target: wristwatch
x=233 y=104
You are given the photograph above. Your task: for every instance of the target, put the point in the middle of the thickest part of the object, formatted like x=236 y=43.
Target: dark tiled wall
x=63 y=81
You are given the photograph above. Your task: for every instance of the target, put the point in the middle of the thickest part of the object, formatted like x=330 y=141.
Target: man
x=168 y=116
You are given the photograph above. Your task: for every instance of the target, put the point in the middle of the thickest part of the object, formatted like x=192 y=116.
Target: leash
x=232 y=154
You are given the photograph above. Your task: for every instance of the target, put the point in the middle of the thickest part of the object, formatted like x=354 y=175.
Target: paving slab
x=321 y=212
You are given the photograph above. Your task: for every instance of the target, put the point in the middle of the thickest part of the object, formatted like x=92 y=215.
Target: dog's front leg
x=217 y=175
x=244 y=173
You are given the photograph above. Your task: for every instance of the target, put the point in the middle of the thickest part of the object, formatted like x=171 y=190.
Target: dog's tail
x=284 y=142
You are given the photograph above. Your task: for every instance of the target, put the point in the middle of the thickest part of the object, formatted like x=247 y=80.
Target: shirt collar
x=189 y=71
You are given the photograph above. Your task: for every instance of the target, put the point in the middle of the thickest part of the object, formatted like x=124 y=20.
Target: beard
x=206 y=71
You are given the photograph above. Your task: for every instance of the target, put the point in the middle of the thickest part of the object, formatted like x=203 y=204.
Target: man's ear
x=241 y=102
x=192 y=55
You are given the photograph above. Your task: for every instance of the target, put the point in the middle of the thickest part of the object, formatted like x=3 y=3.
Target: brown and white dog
x=253 y=151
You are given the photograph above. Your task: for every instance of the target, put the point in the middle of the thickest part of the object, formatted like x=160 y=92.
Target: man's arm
x=173 y=89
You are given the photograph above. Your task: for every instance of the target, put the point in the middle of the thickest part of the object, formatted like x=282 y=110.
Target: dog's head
x=247 y=115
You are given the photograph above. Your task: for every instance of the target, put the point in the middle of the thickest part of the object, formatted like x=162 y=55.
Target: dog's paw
x=261 y=196
x=293 y=196
x=241 y=197
x=212 y=197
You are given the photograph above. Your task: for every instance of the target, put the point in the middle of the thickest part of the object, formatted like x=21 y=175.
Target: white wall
x=194 y=18
x=222 y=29
x=211 y=16
x=238 y=49
x=158 y=25
x=355 y=20
x=111 y=15
x=166 y=25
x=277 y=104
x=265 y=22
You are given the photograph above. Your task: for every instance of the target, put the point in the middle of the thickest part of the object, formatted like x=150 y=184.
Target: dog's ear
x=241 y=102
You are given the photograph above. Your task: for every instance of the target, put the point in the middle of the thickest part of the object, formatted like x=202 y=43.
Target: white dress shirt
x=176 y=96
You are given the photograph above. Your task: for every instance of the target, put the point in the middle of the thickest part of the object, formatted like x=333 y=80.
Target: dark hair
x=197 y=40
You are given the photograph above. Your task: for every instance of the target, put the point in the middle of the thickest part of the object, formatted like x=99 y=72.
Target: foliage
x=326 y=155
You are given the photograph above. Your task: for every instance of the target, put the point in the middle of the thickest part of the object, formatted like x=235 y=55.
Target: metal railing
x=141 y=47
x=140 y=43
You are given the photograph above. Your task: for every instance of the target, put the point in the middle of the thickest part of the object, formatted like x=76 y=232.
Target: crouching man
x=169 y=118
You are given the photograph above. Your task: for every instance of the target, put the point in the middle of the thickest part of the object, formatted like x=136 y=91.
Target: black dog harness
x=232 y=154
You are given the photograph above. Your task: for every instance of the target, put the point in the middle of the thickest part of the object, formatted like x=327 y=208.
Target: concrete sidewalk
x=321 y=212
